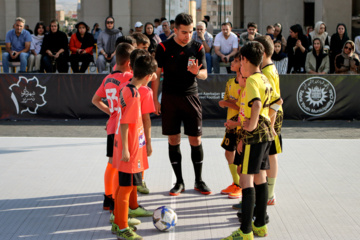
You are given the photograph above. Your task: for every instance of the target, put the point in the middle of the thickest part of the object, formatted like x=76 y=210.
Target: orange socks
x=108 y=179
x=124 y=195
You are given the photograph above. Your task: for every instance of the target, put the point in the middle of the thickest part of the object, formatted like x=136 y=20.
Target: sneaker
x=260 y=231
x=115 y=228
x=131 y=221
x=177 y=189
x=107 y=202
x=202 y=188
x=271 y=201
x=140 y=212
x=239 y=215
x=236 y=194
x=143 y=189
x=239 y=235
x=229 y=189
x=237 y=206
x=128 y=234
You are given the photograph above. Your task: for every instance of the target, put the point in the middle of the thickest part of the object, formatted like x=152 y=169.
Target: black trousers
x=85 y=60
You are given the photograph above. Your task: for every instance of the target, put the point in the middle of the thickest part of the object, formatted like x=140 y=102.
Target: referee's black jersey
x=174 y=58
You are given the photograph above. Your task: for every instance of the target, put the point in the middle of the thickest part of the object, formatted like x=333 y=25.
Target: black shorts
x=110 y=145
x=176 y=109
x=130 y=179
x=253 y=158
x=276 y=145
x=229 y=141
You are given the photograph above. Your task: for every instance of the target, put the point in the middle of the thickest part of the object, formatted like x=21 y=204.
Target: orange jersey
x=130 y=113
x=146 y=98
x=109 y=89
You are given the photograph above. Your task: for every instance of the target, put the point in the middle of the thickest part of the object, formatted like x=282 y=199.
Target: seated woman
x=296 y=49
x=347 y=62
x=35 y=47
x=317 y=62
x=81 y=47
x=55 y=50
x=279 y=58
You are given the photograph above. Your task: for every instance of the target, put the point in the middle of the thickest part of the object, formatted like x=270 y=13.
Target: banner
x=68 y=96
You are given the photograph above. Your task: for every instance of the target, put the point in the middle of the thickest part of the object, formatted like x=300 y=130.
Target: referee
x=183 y=61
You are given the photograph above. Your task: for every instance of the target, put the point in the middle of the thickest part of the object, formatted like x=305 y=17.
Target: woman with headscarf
x=347 y=62
x=278 y=36
x=55 y=50
x=154 y=39
x=297 y=47
x=338 y=40
x=81 y=47
x=320 y=32
x=106 y=45
x=317 y=62
x=35 y=47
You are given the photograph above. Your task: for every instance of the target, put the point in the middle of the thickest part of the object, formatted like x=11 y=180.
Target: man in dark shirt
x=183 y=60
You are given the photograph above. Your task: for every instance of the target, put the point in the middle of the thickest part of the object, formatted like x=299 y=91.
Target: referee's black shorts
x=176 y=109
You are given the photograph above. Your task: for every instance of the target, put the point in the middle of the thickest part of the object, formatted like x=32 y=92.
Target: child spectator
x=142 y=41
x=279 y=58
x=270 y=30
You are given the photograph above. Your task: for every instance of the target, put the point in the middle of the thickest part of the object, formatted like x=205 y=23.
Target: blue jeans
x=208 y=62
x=216 y=63
x=23 y=57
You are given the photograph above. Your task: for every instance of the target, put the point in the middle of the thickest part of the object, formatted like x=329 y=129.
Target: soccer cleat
x=237 y=206
x=127 y=234
x=236 y=194
x=140 y=212
x=271 y=201
x=107 y=202
x=239 y=235
x=115 y=228
x=202 y=188
x=177 y=189
x=142 y=188
x=239 y=215
x=229 y=189
x=260 y=231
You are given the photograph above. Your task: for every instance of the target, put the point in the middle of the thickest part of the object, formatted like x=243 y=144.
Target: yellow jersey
x=232 y=92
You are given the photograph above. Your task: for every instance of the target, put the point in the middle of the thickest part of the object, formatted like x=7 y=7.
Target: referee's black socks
x=175 y=159
x=197 y=156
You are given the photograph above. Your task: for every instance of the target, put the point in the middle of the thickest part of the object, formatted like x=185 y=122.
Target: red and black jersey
x=174 y=59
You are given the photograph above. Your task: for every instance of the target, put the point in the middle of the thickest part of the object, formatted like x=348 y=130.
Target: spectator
x=156 y=25
x=55 y=50
x=139 y=27
x=106 y=45
x=131 y=31
x=154 y=39
x=270 y=30
x=120 y=29
x=96 y=32
x=206 y=39
x=166 y=30
x=309 y=29
x=297 y=46
x=142 y=41
x=278 y=36
x=35 y=48
x=347 y=62
x=209 y=26
x=320 y=32
x=357 y=45
x=250 y=34
x=17 y=45
x=279 y=58
x=317 y=62
x=226 y=46
x=28 y=29
x=337 y=43
x=160 y=28
x=81 y=46
x=172 y=25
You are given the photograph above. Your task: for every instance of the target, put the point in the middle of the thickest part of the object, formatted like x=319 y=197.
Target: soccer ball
x=164 y=218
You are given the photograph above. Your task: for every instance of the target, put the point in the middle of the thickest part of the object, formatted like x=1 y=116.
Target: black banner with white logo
x=68 y=96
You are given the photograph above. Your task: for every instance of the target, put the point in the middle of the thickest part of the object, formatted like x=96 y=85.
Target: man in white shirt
x=206 y=39
x=226 y=45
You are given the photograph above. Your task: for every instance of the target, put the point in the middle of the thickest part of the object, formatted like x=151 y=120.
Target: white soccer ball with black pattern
x=164 y=218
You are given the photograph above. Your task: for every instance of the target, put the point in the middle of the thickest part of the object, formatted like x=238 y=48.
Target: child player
x=253 y=148
x=231 y=96
x=131 y=145
x=109 y=89
x=276 y=113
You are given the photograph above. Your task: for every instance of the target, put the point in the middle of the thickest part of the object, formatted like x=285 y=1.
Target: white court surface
x=51 y=188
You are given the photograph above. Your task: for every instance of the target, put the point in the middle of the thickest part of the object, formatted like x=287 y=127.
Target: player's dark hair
x=183 y=19
x=237 y=55
x=126 y=39
x=267 y=43
x=144 y=65
x=135 y=54
x=227 y=23
x=140 y=38
x=252 y=24
x=253 y=51
x=123 y=51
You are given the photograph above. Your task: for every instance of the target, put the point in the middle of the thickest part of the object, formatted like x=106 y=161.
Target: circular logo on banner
x=316 y=96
